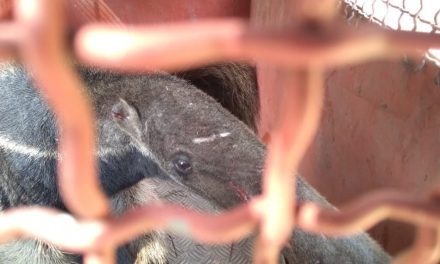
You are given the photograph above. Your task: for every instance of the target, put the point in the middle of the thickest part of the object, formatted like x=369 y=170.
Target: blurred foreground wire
x=37 y=31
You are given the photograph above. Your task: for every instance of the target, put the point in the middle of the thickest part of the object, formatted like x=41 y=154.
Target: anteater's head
x=192 y=138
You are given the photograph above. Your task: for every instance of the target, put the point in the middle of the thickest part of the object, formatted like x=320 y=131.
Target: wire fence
x=415 y=16
x=36 y=33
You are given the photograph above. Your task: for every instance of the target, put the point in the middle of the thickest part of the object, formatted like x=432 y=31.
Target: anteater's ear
x=127 y=118
x=234 y=85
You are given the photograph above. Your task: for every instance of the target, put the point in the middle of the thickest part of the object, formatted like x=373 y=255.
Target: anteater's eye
x=182 y=164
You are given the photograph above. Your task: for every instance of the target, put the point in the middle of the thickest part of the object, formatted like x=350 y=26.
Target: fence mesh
x=407 y=15
x=35 y=30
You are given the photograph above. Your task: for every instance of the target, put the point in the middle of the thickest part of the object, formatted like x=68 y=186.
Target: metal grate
x=36 y=31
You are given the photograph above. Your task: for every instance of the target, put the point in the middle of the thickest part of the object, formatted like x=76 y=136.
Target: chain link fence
x=36 y=32
x=407 y=15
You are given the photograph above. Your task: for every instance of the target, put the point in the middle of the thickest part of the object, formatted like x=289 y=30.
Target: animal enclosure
x=301 y=49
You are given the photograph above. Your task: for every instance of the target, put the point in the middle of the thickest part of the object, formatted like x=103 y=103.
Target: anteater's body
x=150 y=126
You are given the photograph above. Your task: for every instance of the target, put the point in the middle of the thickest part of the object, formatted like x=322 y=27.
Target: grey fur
x=148 y=248
x=35 y=252
x=233 y=85
x=167 y=122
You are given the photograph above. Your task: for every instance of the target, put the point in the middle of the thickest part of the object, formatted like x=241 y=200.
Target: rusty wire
x=40 y=39
x=42 y=46
x=172 y=46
